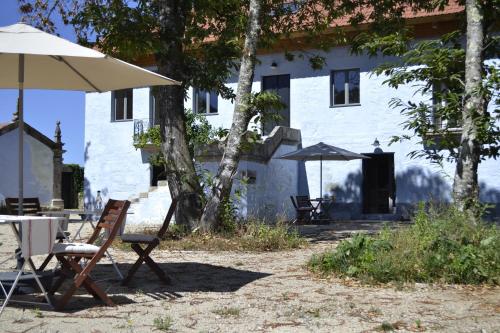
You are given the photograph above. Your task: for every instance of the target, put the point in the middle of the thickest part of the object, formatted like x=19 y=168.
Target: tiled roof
x=452 y=8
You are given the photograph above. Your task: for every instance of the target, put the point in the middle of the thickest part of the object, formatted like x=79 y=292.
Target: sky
x=42 y=108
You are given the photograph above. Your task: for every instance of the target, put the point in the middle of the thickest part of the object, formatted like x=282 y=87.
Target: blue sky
x=42 y=108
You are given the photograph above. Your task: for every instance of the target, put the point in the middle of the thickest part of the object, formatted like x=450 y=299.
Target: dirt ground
x=257 y=292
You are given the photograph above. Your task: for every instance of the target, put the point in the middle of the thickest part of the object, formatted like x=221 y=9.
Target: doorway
x=157 y=173
x=379 y=185
x=279 y=84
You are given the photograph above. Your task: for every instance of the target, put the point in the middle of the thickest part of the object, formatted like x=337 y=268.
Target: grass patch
x=441 y=246
x=251 y=236
x=227 y=312
x=163 y=324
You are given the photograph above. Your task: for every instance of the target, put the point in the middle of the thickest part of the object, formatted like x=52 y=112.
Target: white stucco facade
x=38 y=167
x=115 y=167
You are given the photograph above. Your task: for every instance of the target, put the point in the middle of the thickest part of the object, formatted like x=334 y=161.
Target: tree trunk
x=181 y=174
x=241 y=118
x=465 y=186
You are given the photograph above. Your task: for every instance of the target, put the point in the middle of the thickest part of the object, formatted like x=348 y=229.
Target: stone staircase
x=150 y=207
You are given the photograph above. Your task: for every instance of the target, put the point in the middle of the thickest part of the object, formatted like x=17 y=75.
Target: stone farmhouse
x=342 y=104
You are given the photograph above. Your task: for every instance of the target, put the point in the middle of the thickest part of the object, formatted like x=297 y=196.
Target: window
x=122 y=105
x=439 y=106
x=205 y=102
x=154 y=109
x=344 y=87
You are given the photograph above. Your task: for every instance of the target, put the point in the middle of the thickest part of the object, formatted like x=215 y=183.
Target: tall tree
x=175 y=32
x=241 y=118
x=199 y=43
x=465 y=186
x=453 y=74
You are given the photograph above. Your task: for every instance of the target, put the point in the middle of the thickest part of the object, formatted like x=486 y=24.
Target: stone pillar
x=57 y=201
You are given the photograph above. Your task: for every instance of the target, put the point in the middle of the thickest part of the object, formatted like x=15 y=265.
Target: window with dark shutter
x=344 y=87
x=122 y=105
x=205 y=102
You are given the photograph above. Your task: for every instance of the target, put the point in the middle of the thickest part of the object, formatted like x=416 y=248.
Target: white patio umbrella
x=33 y=59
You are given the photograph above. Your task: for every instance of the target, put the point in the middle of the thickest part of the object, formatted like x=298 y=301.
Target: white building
x=387 y=185
x=39 y=161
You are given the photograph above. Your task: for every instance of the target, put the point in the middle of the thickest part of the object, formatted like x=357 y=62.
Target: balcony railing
x=140 y=127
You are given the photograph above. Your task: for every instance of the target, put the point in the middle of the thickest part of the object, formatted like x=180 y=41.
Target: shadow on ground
x=185 y=276
x=339 y=230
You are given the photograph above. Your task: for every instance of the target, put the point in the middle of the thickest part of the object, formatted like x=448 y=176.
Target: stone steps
x=150 y=207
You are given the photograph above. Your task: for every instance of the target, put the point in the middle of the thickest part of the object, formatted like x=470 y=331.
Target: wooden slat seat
x=69 y=255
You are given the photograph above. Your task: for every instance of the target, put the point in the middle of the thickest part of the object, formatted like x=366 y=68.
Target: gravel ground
x=257 y=292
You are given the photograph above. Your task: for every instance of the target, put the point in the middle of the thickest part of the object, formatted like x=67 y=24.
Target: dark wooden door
x=280 y=84
x=378 y=188
x=157 y=173
x=68 y=191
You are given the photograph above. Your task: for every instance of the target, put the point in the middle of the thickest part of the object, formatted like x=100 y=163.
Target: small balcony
x=142 y=135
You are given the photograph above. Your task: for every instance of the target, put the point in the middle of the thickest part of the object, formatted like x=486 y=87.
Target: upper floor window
x=122 y=104
x=154 y=109
x=344 y=87
x=439 y=105
x=205 y=102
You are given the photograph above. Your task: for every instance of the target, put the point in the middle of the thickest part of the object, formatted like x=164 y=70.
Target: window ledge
x=344 y=105
x=209 y=114
x=121 y=120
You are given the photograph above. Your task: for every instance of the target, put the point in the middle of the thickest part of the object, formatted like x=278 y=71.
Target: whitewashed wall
x=115 y=167
x=38 y=168
x=112 y=164
x=269 y=197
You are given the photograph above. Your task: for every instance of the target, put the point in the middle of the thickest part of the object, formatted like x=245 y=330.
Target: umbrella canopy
x=322 y=151
x=319 y=152
x=51 y=62
x=33 y=59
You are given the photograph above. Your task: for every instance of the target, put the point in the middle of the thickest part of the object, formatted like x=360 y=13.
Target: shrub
x=441 y=246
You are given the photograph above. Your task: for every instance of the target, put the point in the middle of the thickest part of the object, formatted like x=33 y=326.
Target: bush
x=441 y=246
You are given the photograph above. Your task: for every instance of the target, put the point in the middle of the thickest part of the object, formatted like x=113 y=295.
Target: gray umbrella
x=319 y=152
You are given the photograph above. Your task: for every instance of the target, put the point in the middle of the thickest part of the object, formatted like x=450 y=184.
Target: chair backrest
x=303 y=201
x=111 y=220
x=31 y=206
x=168 y=218
x=293 y=202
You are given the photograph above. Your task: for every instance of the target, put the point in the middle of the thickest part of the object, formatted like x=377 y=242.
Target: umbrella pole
x=21 y=133
x=321 y=176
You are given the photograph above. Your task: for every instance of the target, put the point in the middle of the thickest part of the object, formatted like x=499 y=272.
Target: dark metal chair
x=150 y=242
x=303 y=210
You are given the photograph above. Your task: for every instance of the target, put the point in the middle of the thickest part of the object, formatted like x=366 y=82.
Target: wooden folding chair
x=150 y=242
x=70 y=254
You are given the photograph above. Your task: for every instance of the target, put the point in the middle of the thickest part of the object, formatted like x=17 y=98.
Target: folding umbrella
x=319 y=152
x=33 y=59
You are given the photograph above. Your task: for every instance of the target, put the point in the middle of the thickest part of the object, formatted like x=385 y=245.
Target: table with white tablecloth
x=35 y=235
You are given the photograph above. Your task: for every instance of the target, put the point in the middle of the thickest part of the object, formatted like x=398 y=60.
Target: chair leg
x=155 y=268
x=144 y=257
x=150 y=262
x=87 y=283
x=90 y=285
x=66 y=273
x=45 y=262
x=135 y=266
